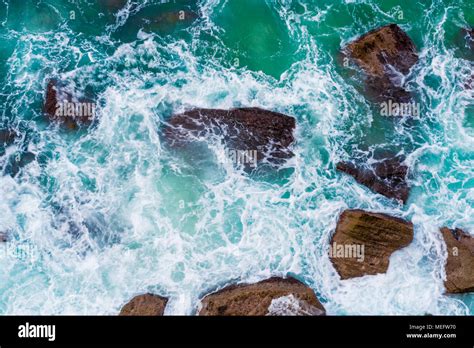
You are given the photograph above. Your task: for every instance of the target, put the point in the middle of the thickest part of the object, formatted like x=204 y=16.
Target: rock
x=173 y=18
x=63 y=107
x=7 y=136
x=145 y=305
x=460 y=262
x=387 y=177
x=376 y=235
x=113 y=5
x=273 y=296
x=384 y=53
x=468 y=34
x=268 y=134
x=17 y=162
x=3 y=237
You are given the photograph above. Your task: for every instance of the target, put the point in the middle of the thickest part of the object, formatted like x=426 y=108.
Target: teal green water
x=104 y=213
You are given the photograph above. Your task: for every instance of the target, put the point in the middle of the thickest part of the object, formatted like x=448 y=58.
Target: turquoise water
x=108 y=212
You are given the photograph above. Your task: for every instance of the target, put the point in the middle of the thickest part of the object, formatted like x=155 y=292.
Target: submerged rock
x=273 y=296
x=113 y=5
x=63 y=107
x=468 y=34
x=7 y=136
x=364 y=241
x=16 y=161
x=266 y=134
x=384 y=54
x=19 y=161
x=145 y=305
x=387 y=177
x=170 y=19
x=460 y=262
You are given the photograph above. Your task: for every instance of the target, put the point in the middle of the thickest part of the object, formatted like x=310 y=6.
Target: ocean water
x=105 y=213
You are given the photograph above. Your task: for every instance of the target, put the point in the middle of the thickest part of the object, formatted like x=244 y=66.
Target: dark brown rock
x=274 y=296
x=383 y=54
x=387 y=177
x=379 y=235
x=57 y=95
x=460 y=262
x=245 y=129
x=145 y=305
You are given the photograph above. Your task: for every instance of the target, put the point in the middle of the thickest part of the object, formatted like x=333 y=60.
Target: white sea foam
x=122 y=214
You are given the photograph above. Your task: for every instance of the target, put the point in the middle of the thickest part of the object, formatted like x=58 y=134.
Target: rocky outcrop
x=274 y=296
x=460 y=262
x=267 y=133
x=364 y=241
x=145 y=305
x=387 y=176
x=383 y=54
x=63 y=107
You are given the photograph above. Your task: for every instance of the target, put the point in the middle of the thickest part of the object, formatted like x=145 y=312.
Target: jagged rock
x=145 y=305
x=460 y=262
x=384 y=53
x=62 y=106
x=267 y=133
x=273 y=296
x=387 y=176
x=367 y=241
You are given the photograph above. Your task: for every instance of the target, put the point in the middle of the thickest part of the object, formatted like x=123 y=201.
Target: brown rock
x=379 y=235
x=274 y=296
x=387 y=177
x=383 y=53
x=245 y=129
x=57 y=96
x=460 y=263
x=145 y=305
